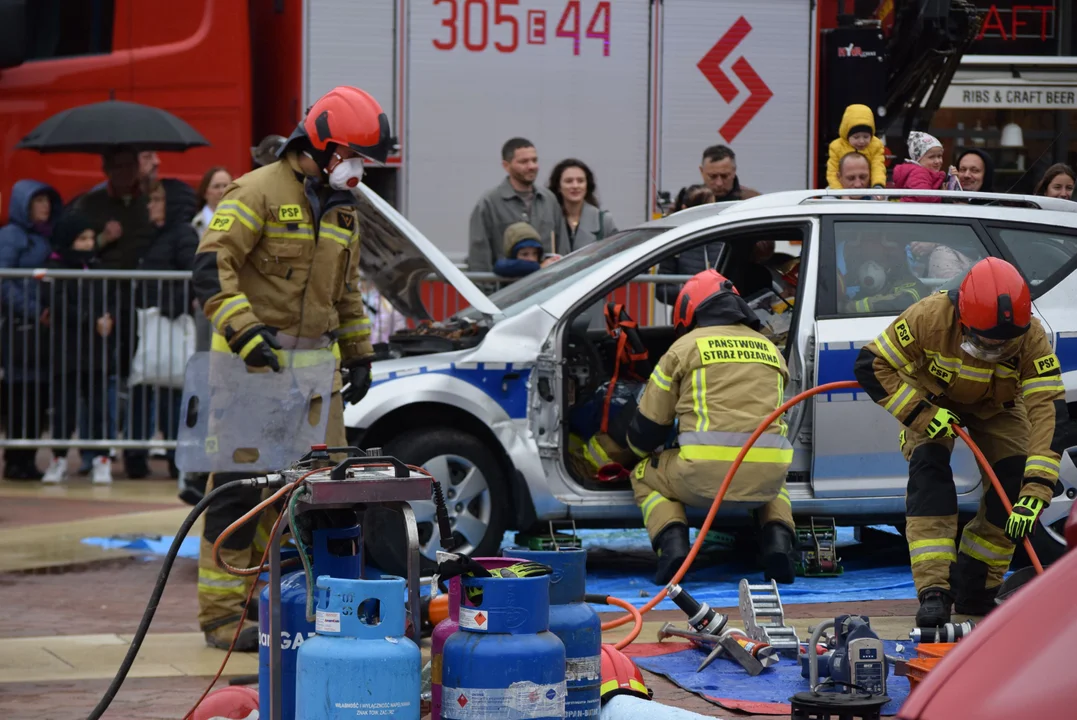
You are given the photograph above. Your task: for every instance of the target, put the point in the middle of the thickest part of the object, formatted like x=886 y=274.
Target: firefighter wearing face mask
x=977 y=358
x=277 y=270
x=718 y=381
x=880 y=274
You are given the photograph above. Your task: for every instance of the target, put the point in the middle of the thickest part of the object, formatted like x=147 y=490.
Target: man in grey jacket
x=516 y=199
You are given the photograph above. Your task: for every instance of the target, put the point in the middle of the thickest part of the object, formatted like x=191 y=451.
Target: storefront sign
x=1017 y=27
x=1014 y=97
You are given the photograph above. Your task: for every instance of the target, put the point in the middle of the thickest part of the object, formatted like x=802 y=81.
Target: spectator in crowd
x=118 y=212
x=173 y=248
x=24 y=243
x=81 y=326
x=523 y=252
x=701 y=258
x=691 y=196
x=1057 y=182
x=516 y=199
x=854 y=172
x=856 y=134
x=924 y=170
x=385 y=319
x=182 y=195
x=210 y=191
x=573 y=184
x=975 y=170
x=719 y=172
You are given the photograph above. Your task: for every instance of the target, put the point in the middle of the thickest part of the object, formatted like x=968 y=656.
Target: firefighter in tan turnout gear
x=977 y=358
x=718 y=381
x=278 y=270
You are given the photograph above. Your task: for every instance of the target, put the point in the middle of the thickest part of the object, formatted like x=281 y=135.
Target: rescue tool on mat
x=948 y=633
x=857 y=661
x=701 y=617
x=716 y=644
x=750 y=654
x=764 y=617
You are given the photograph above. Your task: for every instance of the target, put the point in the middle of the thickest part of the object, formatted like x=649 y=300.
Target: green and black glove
x=941 y=426
x=1022 y=520
x=256 y=347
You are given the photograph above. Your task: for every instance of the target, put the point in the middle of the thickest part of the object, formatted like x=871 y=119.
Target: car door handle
x=506 y=379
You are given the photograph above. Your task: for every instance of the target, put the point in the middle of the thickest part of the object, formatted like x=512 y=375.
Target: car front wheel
x=476 y=497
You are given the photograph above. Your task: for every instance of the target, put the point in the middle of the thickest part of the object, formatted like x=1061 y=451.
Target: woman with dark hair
x=1057 y=182
x=691 y=196
x=573 y=183
x=210 y=191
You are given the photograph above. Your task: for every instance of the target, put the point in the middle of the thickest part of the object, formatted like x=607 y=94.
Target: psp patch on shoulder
x=904 y=334
x=1047 y=364
x=222 y=223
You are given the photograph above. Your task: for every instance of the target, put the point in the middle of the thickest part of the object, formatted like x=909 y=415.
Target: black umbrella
x=100 y=126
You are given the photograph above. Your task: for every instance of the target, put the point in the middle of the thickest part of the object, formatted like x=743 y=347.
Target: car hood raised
x=397 y=258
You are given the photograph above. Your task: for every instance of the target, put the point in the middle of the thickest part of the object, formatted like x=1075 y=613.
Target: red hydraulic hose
x=705 y=528
x=961 y=433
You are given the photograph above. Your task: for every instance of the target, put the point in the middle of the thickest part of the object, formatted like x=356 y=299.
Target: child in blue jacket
x=523 y=252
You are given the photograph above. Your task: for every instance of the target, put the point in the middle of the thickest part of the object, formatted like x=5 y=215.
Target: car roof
x=1035 y=209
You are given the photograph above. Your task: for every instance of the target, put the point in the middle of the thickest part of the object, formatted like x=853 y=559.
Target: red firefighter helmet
x=350 y=117
x=235 y=702
x=620 y=676
x=994 y=301
x=699 y=288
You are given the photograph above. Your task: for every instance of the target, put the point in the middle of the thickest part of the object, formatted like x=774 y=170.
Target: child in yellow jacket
x=857 y=134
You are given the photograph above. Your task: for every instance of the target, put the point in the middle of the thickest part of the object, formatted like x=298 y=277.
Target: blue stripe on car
x=836 y=362
x=510 y=394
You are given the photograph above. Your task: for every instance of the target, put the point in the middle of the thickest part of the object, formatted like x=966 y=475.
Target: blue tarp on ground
x=621 y=563
x=726 y=679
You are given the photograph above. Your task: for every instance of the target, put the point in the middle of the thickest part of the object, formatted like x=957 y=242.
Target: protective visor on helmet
x=989 y=349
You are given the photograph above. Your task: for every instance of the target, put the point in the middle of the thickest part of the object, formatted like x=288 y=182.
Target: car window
x=884 y=267
x=1038 y=254
x=540 y=286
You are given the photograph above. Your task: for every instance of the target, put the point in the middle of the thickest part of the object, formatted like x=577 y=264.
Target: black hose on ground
x=159 y=588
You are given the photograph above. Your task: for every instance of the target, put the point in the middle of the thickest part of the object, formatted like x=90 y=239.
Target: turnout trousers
x=983 y=556
x=662 y=490
x=221 y=595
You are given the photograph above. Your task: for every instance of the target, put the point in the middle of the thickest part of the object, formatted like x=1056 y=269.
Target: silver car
x=483 y=399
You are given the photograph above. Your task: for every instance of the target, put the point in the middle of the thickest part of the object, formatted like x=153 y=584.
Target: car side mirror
x=13 y=32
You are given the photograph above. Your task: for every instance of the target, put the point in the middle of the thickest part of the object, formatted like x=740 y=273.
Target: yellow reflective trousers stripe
x=649 y=504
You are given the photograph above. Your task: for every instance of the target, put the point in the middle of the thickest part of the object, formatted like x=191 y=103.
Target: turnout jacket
x=917 y=365
x=718 y=382
x=277 y=254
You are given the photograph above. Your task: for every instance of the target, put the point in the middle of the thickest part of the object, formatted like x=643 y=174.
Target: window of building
x=68 y=28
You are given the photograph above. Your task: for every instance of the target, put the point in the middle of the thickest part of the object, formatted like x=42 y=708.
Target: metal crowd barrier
x=94 y=359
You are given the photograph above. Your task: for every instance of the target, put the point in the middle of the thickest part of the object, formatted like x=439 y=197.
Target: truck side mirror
x=12 y=33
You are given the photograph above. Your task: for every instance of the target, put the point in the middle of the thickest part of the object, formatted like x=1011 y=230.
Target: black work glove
x=356 y=376
x=256 y=347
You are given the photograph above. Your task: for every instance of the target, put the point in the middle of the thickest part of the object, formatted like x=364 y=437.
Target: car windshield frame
x=543 y=284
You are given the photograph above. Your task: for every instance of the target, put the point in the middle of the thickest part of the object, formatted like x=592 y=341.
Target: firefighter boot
x=779 y=559
x=671 y=546
x=934 y=608
x=221 y=637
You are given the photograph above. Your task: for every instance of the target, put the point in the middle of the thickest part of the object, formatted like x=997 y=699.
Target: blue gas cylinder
x=336 y=553
x=360 y=662
x=576 y=624
x=504 y=662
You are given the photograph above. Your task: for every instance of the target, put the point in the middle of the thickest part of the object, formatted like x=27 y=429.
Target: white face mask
x=347 y=174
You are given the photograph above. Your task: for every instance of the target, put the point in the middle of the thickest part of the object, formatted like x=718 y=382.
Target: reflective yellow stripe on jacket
x=725 y=446
x=287 y=358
